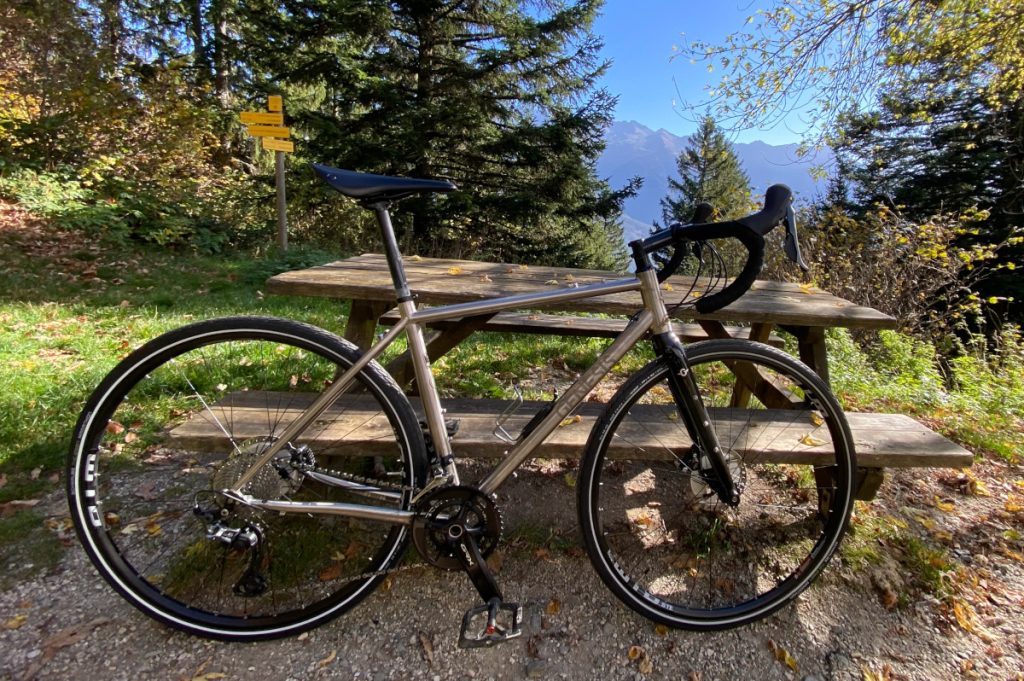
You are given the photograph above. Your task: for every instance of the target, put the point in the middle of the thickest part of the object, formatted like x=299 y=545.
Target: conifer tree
x=709 y=171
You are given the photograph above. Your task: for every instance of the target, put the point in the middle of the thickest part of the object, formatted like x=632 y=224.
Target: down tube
x=569 y=401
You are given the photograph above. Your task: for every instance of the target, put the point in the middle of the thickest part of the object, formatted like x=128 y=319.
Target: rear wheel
x=187 y=415
x=656 y=532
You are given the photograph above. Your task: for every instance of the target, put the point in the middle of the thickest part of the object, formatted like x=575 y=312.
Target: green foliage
x=709 y=172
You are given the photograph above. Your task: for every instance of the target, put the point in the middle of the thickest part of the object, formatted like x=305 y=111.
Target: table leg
x=811 y=341
x=750 y=381
x=439 y=343
x=362 y=321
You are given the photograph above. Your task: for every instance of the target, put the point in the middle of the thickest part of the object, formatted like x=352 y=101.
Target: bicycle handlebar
x=749 y=231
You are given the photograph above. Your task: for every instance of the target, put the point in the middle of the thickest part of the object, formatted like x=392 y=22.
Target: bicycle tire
x=186 y=414
x=657 y=535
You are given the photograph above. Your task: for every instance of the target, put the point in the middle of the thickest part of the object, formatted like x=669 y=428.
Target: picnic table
x=882 y=440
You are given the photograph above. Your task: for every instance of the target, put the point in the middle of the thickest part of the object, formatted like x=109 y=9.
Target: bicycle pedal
x=490 y=623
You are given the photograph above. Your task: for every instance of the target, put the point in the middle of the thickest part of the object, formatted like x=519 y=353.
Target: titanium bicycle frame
x=653 y=317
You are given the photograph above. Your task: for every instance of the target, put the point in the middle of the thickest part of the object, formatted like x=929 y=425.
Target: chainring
x=440 y=510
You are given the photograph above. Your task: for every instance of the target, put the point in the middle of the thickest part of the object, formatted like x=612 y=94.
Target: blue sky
x=639 y=36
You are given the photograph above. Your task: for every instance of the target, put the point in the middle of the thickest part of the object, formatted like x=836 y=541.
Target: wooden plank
x=882 y=440
x=261 y=118
x=570 y=325
x=367 y=277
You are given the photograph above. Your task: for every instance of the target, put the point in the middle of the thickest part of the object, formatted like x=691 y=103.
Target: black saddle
x=369 y=188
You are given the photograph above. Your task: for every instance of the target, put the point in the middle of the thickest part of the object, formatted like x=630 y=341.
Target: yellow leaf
x=944 y=506
x=414 y=258
x=807 y=289
x=811 y=441
x=329 y=659
x=524 y=267
x=153 y=529
x=661 y=630
x=570 y=479
x=635 y=652
x=554 y=607
x=551 y=282
x=667 y=286
x=455 y=270
x=15 y=622
x=816 y=419
x=783 y=656
x=569 y=420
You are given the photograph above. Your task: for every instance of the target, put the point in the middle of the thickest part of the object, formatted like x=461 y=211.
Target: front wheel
x=187 y=415
x=656 y=532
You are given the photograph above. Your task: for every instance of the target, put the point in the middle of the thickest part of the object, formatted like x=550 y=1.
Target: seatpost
x=391 y=251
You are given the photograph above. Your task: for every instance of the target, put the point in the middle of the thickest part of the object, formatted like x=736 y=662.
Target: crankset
x=458 y=527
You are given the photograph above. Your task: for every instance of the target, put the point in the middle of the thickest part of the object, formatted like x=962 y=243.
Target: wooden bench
x=882 y=440
x=574 y=325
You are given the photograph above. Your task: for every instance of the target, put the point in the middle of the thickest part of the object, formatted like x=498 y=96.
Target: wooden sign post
x=269 y=126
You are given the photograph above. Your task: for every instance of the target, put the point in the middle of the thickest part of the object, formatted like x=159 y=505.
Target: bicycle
x=714 y=488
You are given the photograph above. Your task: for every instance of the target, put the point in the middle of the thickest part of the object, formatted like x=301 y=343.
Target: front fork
x=694 y=414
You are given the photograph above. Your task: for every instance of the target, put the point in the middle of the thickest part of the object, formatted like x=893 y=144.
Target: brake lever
x=792 y=245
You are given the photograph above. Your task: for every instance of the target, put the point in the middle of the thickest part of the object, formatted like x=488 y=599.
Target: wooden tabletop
x=437 y=281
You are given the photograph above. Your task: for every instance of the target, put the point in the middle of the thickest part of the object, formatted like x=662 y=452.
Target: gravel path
x=68 y=624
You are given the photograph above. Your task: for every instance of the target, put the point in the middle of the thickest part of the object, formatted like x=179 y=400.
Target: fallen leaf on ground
x=34 y=475
x=634 y=652
x=329 y=659
x=11 y=507
x=331 y=572
x=944 y=505
x=15 y=622
x=661 y=630
x=645 y=666
x=553 y=607
x=868 y=674
x=428 y=649
x=114 y=428
x=783 y=656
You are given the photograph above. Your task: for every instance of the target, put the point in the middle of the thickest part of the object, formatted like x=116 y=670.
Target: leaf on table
x=783 y=656
x=331 y=657
x=696 y=294
x=553 y=607
x=816 y=419
x=569 y=420
x=667 y=287
x=551 y=282
x=524 y=267
x=635 y=652
x=455 y=271
x=485 y=278
x=811 y=441
x=415 y=258
x=807 y=289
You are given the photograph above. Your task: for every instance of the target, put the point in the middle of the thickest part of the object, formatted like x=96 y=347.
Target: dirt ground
x=889 y=617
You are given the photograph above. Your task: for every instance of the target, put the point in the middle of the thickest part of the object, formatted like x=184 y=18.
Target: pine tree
x=709 y=172
x=498 y=96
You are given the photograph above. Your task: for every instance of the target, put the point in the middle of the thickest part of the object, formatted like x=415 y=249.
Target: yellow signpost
x=269 y=126
x=272 y=144
x=262 y=118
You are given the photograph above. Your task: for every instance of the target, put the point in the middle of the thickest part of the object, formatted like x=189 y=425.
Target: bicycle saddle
x=368 y=187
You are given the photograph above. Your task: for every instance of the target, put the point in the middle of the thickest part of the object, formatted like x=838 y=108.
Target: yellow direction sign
x=262 y=118
x=268 y=131
x=274 y=103
x=278 y=145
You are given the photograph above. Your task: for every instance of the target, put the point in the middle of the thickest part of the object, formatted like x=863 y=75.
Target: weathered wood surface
x=882 y=440
x=570 y=325
x=438 y=281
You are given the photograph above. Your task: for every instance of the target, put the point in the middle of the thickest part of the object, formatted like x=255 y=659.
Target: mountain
x=633 y=149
